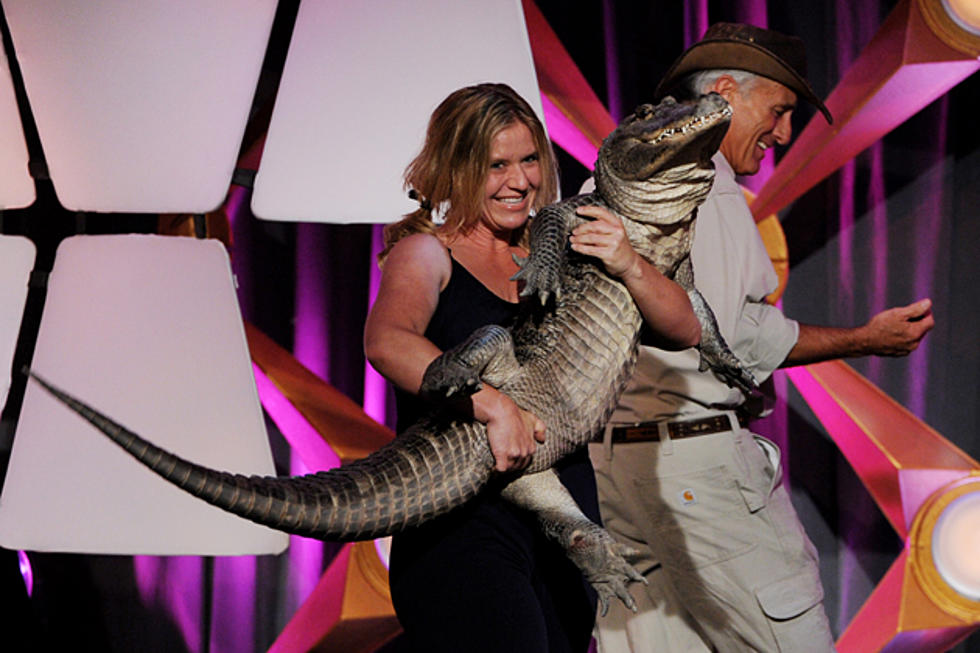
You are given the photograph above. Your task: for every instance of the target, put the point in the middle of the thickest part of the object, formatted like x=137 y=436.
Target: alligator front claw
x=486 y=355
x=446 y=378
x=726 y=366
x=541 y=271
x=539 y=279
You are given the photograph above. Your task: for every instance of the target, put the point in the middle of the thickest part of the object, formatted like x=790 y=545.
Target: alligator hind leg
x=487 y=355
x=599 y=557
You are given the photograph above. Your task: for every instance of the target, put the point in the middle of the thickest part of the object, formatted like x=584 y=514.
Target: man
x=680 y=480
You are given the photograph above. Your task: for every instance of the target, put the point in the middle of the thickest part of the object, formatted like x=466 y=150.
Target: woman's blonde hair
x=454 y=162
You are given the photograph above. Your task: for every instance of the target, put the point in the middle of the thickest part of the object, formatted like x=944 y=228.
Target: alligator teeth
x=694 y=124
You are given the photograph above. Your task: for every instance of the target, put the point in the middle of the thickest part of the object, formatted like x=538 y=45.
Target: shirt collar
x=724 y=174
x=722 y=166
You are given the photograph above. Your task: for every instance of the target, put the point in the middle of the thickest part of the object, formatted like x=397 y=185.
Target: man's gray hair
x=697 y=83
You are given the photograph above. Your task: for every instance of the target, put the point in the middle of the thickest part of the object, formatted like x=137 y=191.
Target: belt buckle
x=636 y=432
x=641 y=432
x=700 y=426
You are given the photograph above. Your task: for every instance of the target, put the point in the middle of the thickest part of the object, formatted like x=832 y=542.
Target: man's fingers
x=919 y=309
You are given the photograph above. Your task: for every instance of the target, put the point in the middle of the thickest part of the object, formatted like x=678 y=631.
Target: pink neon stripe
x=302 y=437
x=173 y=584
x=869 y=462
x=569 y=137
x=375 y=386
x=26 y=571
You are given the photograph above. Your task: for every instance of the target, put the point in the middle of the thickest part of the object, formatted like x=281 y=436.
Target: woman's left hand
x=663 y=303
x=605 y=238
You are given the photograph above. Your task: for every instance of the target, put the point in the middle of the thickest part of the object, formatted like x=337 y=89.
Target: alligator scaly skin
x=567 y=360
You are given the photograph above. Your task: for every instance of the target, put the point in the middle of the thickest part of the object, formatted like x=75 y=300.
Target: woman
x=483 y=577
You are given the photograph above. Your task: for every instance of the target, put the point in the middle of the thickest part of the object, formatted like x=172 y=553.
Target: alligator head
x=660 y=150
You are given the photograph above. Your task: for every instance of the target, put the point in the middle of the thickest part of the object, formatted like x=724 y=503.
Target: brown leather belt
x=650 y=430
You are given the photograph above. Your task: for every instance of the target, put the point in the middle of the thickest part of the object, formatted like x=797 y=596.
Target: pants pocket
x=758 y=459
x=694 y=516
x=795 y=611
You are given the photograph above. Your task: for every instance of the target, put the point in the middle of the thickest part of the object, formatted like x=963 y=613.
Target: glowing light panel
x=966 y=13
x=360 y=82
x=140 y=106
x=147 y=329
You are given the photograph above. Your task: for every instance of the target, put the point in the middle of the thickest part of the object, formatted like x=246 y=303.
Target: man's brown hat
x=745 y=47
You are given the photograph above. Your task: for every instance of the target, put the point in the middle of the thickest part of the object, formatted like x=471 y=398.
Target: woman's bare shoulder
x=424 y=244
x=420 y=255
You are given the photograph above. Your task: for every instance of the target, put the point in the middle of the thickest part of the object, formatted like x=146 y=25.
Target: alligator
x=567 y=359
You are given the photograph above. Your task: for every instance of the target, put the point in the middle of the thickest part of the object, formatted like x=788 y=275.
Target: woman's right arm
x=415 y=272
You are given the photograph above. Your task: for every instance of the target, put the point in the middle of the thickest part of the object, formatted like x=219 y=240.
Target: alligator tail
x=403 y=484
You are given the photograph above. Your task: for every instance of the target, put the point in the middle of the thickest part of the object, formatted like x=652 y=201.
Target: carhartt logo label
x=688 y=498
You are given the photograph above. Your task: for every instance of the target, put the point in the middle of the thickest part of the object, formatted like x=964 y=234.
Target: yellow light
x=956 y=545
x=966 y=13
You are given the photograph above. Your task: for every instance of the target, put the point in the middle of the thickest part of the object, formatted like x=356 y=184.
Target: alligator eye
x=643 y=111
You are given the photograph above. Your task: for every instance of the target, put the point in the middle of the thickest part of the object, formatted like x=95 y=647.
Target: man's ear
x=725 y=86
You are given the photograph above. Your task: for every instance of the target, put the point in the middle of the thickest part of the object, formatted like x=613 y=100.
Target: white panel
x=360 y=82
x=146 y=329
x=16 y=185
x=140 y=106
x=16 y=262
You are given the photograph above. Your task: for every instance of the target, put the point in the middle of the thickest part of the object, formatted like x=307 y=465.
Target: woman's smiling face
x=513 y=178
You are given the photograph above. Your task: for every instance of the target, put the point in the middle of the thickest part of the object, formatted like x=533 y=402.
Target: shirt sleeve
x=764 y=337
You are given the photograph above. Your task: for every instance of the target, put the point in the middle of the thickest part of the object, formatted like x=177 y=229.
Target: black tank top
x=464 y=305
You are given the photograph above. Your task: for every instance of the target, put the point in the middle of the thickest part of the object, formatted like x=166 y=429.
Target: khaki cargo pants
x=728 y=563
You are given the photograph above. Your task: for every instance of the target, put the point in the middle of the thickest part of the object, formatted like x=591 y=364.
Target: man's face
x=761 y=118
